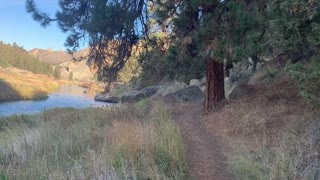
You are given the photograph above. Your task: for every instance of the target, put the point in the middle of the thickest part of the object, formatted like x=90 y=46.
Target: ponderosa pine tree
x=295 y=26
x=198 y=26
x=112 y=28
x=246 y=27
x=197 y=33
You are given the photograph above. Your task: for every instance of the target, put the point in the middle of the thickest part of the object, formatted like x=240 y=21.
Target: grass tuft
x=138 y=141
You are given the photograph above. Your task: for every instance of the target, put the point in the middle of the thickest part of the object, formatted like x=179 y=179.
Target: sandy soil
x=204 y=150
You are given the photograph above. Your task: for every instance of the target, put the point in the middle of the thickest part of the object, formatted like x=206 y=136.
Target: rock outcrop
x=190 y=94
x=194 y=82
x=138 y=95
x=170 y=88
x=106 y=98
x=170 y=92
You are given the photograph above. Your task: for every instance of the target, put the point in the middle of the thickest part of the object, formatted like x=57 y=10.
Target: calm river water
x=65 y=96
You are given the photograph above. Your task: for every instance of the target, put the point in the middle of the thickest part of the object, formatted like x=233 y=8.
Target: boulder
x=195 y=82
x=189 y=94
x=170 y=88
x=105 y=97
x=138 y=95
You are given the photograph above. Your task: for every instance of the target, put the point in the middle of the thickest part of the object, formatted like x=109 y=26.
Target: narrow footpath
x=204 y=151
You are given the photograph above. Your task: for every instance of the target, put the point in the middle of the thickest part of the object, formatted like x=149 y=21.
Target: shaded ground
x=7 y=92
x=204 y=150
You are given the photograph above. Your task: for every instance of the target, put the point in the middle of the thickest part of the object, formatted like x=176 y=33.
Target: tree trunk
x=255 y=61
x=214 y=84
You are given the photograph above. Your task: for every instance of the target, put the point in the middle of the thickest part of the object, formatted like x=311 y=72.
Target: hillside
x=16 y=84
x=57 y=57
x=69 y=68
x=17 y=57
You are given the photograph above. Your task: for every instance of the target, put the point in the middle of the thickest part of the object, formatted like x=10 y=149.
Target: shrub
x=307 y=77
x=56 y=72
x=70 y=77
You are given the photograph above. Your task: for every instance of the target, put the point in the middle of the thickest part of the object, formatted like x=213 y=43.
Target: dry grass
x=18 y=84
x=128 y=142
x=268 y=133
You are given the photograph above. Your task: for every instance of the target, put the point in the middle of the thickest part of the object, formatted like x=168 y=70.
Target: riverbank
x=18 y=84
x=137 y=141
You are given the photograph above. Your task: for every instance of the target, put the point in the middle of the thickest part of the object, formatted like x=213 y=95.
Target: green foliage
x=4 y=63
x=114 y=26
x=307 y=77
x=56 y=72
x=15 y=56
x=295 y=25
x=3 y=175
x=70 y=77
x=271 y=72
x=130 y=70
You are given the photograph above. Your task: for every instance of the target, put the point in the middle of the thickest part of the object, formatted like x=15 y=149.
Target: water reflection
x=65 y=96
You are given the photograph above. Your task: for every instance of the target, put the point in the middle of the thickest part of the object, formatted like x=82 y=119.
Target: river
x=65 y=96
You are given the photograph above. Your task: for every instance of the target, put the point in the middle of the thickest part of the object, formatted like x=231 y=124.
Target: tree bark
x=255 y=61
x=214 y=84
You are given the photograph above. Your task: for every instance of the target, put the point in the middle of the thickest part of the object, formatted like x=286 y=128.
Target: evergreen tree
x=70 y=77
x=295 y=26
x=113 y=25
x=56 y=72
x=15 y=56
x=295 y=29
x=196 y=27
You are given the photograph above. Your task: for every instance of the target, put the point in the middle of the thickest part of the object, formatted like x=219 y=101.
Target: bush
x=70 y=77
x=56 y=72
x=307 y=77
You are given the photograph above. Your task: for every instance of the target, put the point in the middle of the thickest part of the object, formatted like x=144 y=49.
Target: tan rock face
x=80 y=69
x=56 y=57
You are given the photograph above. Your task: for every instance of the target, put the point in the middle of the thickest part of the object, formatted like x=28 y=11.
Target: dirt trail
x=204 y=150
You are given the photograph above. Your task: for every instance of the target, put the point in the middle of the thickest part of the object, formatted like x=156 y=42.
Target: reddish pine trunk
x=214 y=84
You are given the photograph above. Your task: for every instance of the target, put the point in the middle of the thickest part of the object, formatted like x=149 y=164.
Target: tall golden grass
x=272 y=132
x=24 y=85
x=127 y=142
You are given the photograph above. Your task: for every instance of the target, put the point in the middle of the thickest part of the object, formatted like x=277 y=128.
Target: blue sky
x=16 y=25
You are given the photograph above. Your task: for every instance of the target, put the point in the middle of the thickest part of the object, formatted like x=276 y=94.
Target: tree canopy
x=188 y=37
x=111 y=27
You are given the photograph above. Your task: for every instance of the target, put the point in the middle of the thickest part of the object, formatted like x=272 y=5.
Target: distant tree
x=56 y=72
x=70 y=77
x=14 y=44
x=19 y=58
